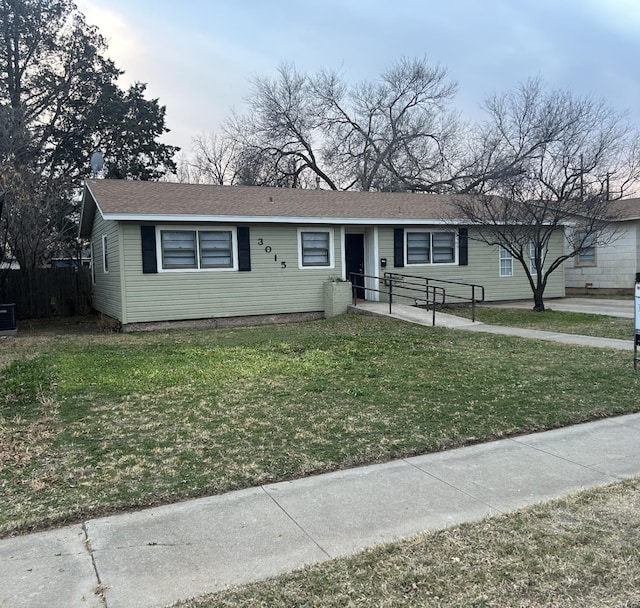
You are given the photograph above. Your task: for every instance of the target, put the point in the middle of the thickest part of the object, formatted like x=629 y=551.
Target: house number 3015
x=268 y=249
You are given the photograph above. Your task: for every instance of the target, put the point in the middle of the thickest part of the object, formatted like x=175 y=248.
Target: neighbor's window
x=315 y=248
x=587 y=256
x=506 y=263
x=431 y=247
x=105 y=254
x=532 y=258
x=196 y=249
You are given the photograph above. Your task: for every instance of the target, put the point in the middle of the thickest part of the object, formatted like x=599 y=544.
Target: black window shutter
x=463 y=247
x=149 y=259
x=398 y=247
x=244 y=249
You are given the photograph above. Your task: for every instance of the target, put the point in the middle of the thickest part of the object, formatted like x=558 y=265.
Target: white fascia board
x=269 y=219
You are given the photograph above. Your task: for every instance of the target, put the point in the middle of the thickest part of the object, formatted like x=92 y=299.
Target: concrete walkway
x=155 y=557
x=420 y=316
x=595 y=306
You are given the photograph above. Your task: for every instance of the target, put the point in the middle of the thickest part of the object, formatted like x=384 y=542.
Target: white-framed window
x=105 y=254
x=192 y=249
x=216 y=248
x=315 y=248
x=430 y=247
x=532 y=259
x=587 y=256
x=506 y=262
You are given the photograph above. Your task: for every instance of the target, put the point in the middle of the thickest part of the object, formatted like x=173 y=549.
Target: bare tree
x=216 y=159
x=393 y=134
x=549 y=160
x=279 y=140
x=30 y=214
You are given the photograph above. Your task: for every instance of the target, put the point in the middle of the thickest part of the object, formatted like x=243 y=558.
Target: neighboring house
x=612 y=266
x=167 y=252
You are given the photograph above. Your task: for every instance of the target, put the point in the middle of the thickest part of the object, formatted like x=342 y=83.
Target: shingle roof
x=119 y=198
x=165 y=201
x=626 y=209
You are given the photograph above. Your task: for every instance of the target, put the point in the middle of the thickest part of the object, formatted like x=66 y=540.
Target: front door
x=354 y=261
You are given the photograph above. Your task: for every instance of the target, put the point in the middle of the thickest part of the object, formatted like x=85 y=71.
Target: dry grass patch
x=580 y=552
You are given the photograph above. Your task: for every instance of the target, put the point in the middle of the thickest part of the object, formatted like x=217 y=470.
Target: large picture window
x=425 y=247
x=197 y=249
x=315 y=248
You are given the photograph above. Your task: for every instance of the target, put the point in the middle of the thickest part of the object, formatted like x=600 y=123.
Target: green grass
x=581 y=551
x=554 y=320
x=91 y=424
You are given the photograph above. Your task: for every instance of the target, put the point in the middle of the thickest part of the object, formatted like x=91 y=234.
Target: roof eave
x=274 y=219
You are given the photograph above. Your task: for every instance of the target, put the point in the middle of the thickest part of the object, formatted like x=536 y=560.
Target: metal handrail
x=418 y=284
x=425 y=290
x=396 y=276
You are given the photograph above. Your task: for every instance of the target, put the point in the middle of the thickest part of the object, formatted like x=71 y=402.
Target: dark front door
x=354 y=256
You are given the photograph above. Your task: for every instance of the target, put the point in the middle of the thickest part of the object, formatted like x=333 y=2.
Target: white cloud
x=124 y=47
x=619 y=15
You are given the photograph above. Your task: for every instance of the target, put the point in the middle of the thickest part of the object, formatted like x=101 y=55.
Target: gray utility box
x=7 y=319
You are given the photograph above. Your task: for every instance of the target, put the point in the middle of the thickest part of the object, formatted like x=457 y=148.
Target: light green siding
x=482 y=269
x=107 y=290
x=267 y=289
x=275 y=284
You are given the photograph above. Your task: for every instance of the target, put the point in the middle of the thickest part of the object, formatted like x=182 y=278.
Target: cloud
x=125 y=49
x=622 y=16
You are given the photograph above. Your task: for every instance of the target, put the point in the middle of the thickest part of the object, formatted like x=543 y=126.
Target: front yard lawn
x=91 y=424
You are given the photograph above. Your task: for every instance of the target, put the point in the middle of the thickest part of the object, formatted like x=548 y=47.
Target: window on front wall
x=196 y=249
x=425 y=247
x=216 y=249
x=506 y=263
x=315 y=248
x=418 y=247
x=444 y=247
x=587 y=255
x=179 y=249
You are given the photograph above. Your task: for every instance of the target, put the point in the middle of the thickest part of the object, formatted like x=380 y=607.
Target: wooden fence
x=42 y=293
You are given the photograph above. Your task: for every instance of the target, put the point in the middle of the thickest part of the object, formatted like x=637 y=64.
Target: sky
x=199 y=57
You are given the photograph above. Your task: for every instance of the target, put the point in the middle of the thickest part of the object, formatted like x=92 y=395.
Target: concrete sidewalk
x=155 y=557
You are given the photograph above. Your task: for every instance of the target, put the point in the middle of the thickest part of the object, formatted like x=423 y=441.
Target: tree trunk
x=538 y=302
